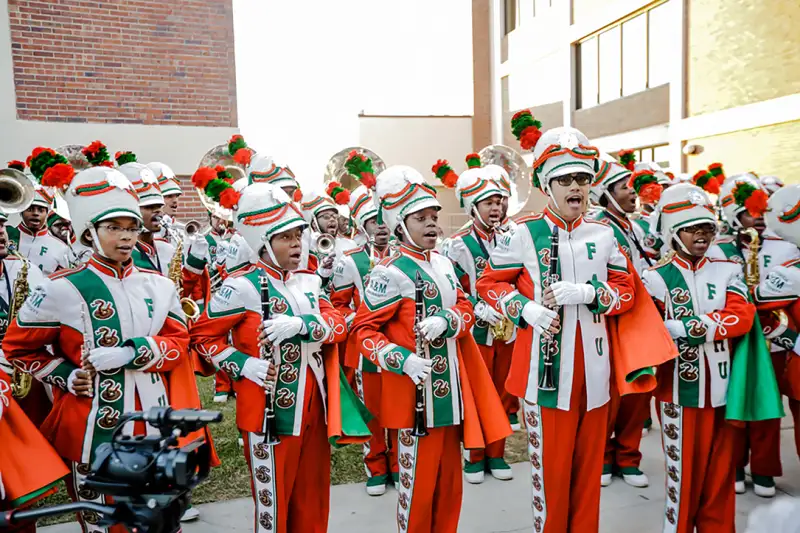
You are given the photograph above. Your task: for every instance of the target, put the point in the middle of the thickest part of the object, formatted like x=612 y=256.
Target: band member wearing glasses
x=559 y=278
x=428 y=344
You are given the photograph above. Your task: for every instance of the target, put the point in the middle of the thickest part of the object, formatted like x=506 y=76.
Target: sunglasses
x=579 y=177
x=701 y=229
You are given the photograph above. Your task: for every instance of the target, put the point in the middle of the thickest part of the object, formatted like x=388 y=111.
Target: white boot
x=739 y=487
x=605 y=480
x=636 y=480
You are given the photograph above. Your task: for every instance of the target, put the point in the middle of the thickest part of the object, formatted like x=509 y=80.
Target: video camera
x=149 y=477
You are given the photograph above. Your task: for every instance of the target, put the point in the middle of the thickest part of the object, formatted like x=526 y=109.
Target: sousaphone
x=219 y=155
x=335 y=170
x=519 y=173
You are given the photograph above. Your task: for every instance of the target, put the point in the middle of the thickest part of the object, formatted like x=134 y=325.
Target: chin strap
x=614 y=203
x=682 y=246
x=477 y=215
x=96 y=241
x=271 y=254
x=408 y=235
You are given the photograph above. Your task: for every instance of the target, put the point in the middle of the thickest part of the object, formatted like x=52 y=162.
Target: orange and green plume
x=526 y=129
x=444 y=172
x=627 y=158
x=360 y=167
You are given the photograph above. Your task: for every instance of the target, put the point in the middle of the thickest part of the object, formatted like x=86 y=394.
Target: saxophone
x=20 y=381
x=503 y=330
x=175 y=271
x=752 y=277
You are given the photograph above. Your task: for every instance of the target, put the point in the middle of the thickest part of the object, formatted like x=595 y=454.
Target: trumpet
x=325 y=244
x=191 y=228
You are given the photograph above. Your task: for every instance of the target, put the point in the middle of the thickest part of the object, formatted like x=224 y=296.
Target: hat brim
x=570 y=167
x=118 y=213
x=281 y=228
x=417 y=205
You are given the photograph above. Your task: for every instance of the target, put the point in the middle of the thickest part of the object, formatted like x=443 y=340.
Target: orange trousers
x=794 y=406
x=566 y=461
x=291 y=480
x=380 y=454
x=498 y=360
x=698 y=449
x=626 y=417
x=222 y=382
x=759 y=443
x=429 y=495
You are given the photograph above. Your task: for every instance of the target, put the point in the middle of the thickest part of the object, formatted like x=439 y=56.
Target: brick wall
x=190 y=207
x=771 y=150
x=129 y=62
x=741 y=51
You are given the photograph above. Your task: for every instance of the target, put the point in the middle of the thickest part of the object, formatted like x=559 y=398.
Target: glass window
x=504 y=93
x=660 y=54
x=510 y=15
x=634 y=55
x=587 y=73
x=610 y=55
x=646 y=155
x=661 y=155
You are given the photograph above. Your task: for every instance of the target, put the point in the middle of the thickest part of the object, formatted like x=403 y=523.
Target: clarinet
x=270 y=428
x=420 y=426
x=546 y=380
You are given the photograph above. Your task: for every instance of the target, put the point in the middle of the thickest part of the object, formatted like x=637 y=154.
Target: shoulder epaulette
x=529 y=218
x=65 y=272
x=724 y=240
x=355 y=250
x=304 y=271
x=718 y=260
x=242 y=272
x=461 y=233
x=149 y=271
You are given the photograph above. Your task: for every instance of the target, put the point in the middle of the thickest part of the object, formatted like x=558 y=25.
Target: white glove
x=417 y=368
x=198 y=249
x=486 y=312
x=283 y=327
x=432 y=328
x=256 y=370
x=325 y=268
x=675 y=328
x=538 y=316
x=222 y=252
x=568 y=293
x=110 y=358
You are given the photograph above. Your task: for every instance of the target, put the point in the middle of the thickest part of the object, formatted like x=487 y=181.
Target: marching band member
x=705 y=304
x=118 y=333
x=151 y=252
x=744 y=202
x=651 y=243
x=780 y=291
x=31 y=237
x=560 y=278
x=481 y=197
x=459 y=401
x=170 y=189
x=290 y=480
x=347 y=290
x=320 y=211
x=615 y=189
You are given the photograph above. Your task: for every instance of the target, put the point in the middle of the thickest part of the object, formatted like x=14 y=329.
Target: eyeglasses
x=701 y=229
x=115 y=230
x=579 y=178
x=327 y=216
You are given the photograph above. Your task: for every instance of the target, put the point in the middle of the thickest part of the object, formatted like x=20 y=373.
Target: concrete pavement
x=500 y=507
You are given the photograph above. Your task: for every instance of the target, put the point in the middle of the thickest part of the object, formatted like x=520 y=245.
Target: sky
x=306 y=69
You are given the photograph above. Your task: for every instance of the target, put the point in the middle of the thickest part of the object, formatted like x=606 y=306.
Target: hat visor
x=118 y=213
x=286 y=226
x=578 y=166
x=419 y=204
x=149 y=202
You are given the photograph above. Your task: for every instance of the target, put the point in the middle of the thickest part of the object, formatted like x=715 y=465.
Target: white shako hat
x=783 y=213
x=478 y=183
x=771 y=183
x=313 y=203
x=739 y=193
x=400 y=191
x=263 y=169
x=143 y=179
x=264 y=210
x=362 y=206
x=561 y=151
x=680 y=206
x=610 y=172
x=97 y=194
x=167 y=181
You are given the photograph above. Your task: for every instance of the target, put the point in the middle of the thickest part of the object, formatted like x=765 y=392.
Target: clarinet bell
x=419 y=427
x=546 y=382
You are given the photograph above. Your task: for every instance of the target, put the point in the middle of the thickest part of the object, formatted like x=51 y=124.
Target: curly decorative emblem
x=261 y=451
x=265 y=497
x=688 y=372
x=317 y=331
x=265 y=520
x=402 y=522
x=604 y=297
x=672 y=472
x=439 y=364
x=671 y=410
x=431 y=290
x=145 y=355
x=650 y=241
x=480 y=265
x=533 y=439
x=438 y=343
x=514 y=308
x=289 y=374
x=696 y=327
x=402 y=500
x=544 y=256
x=538 y=504
x=672 y=494
x=106 y=337
x=392 y=359
x=110 y=390
x=56 y=381
x=535 y=460
x=87 y=494
x=538 y=524
x=405 y=480
x=405 y=460
x=690 y=353
x=290 y=352
x=285 y=398
x=263 y=474
x=681 y=312
x=90 y=517
x=406 y=439
x=680 y=296
x=532 y=419
x=102 y=309
x=230 y=367
x=432 y=310
x=671 y=515
x=84 y=469
x=278 y=305
x=107 y=417
x=672 y=452
x=671 y=431
x=537 y=481
x=441 y=388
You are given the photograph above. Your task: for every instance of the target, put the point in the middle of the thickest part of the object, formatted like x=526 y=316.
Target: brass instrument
x=519 y=177
x=175 y=271
x=192 y=228
x=20 y=381
x=219 y=155
x=336 y=171
x=16 y=191
x=752 y=276
x=325 y=244
x=86 y=347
